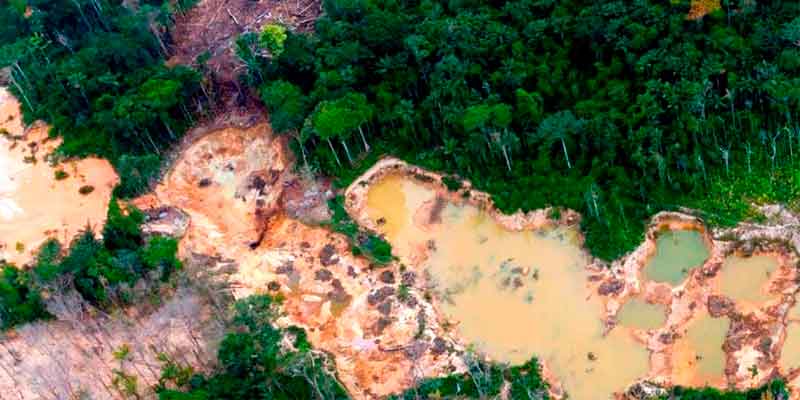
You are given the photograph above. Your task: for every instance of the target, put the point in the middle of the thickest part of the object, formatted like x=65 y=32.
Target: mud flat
x=34 y=204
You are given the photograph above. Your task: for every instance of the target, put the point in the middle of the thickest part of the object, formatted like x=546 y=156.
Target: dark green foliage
x=19 y=302
x=483 y=381
x=82 y=263
x=616 y=109
x=121 y=230
x=255 y=363
x=48 y=260
x=773 y=390
x=486 y=381
x=122 y=257
x=160 y=254
x=138 y=172
x=452 y=183
x=373 y=247
x=94 y=70
x=288 y=102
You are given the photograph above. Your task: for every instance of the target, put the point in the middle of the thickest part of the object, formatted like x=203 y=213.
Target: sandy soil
x=34 y=205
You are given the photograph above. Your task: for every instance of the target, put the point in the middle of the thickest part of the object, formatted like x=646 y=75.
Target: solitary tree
x=559 y=127
x=493 y=122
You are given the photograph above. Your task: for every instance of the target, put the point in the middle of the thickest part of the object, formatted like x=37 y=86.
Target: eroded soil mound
x=40 y=199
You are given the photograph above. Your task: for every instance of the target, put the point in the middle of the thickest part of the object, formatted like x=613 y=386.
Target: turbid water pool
x=512 y=294
x=747 y=278
x=677 y=253
x=699 y=359
x=639 y=314
x=790 y=354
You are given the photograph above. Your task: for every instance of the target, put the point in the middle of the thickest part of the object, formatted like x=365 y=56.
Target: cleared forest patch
x=209 y=30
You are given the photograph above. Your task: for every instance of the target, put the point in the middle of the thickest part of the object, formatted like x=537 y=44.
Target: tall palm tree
x=559 y=127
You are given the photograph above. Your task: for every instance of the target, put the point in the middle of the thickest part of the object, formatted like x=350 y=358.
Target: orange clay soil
x=238 y=185
x=34 y=205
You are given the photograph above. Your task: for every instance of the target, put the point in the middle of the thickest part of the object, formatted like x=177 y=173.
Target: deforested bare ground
x=213 y=25
x=701 y=8
x=85 y=353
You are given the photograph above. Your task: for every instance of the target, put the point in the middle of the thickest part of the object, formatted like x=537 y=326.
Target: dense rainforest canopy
x=619 y=109
x=94 y=70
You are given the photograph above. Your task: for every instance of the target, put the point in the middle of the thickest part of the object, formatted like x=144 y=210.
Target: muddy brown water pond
x=677 y=253
x=637 y=313
x=790 y=354
x=699 y=356
x=35 y=205
x=746 y=279
x=512 y=294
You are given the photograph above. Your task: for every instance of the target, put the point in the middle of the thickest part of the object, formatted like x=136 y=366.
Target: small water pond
x=698 y=358
x=746 y=279
x=639 y=314
x=677 y=253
